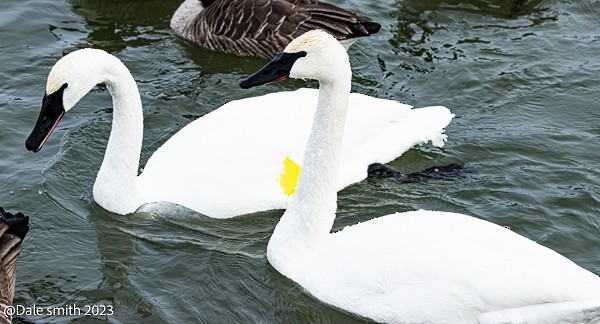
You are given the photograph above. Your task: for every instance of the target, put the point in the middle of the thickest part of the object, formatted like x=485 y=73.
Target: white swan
x=263 y=27
x=238 y=159
x=413 y=267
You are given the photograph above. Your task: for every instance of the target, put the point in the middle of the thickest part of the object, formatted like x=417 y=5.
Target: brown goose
x=13 y=229
x=263 y=28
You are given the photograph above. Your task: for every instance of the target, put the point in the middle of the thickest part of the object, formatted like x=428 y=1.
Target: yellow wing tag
x=289 y=177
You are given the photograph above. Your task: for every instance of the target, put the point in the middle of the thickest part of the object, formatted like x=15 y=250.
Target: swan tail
x=403 y=131
x=566 y=312
x=381 y=139
x=428 y=124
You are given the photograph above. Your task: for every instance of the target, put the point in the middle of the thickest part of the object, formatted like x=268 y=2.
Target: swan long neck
x=311 y=213
x=116 y=183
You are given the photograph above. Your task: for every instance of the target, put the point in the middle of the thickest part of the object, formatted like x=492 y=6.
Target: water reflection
x=114 y=25
x=116 y=249
x=509 y=9
x=418 y=22
x=90 y=254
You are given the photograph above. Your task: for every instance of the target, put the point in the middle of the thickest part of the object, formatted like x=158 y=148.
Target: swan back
x=428 y=266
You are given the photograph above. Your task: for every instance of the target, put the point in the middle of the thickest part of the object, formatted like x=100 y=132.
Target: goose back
x=263 y=28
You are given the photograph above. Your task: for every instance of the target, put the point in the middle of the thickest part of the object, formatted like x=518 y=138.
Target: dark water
x=521 y=76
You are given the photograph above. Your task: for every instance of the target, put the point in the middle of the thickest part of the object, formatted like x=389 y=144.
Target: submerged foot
x=444 y=172
x=378 y=170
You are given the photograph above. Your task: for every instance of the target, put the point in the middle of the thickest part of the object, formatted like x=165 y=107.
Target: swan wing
x=382 y=134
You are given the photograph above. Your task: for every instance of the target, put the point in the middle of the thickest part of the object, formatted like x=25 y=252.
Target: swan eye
x=54 y=101
x=53 y=85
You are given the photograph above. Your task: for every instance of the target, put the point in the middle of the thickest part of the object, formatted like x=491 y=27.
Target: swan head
x=70 y=79
x=313 y=55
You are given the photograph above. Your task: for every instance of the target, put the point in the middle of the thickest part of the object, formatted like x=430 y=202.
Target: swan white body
x=239 y=149
x=230 y=161
x=412 y=267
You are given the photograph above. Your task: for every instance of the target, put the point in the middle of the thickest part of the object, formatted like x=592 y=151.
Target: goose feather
x=263 y=28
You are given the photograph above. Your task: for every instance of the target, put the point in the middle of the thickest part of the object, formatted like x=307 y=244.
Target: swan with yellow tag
x=413 y=267
x=244 y=157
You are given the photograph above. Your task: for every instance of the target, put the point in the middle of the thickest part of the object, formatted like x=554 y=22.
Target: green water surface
x=521 y=76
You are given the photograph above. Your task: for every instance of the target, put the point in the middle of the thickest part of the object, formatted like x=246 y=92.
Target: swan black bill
x=50 y=114
x=276 y=70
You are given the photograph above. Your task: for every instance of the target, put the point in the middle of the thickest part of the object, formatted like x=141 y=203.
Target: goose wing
x=264 y=27
x=337 y=21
